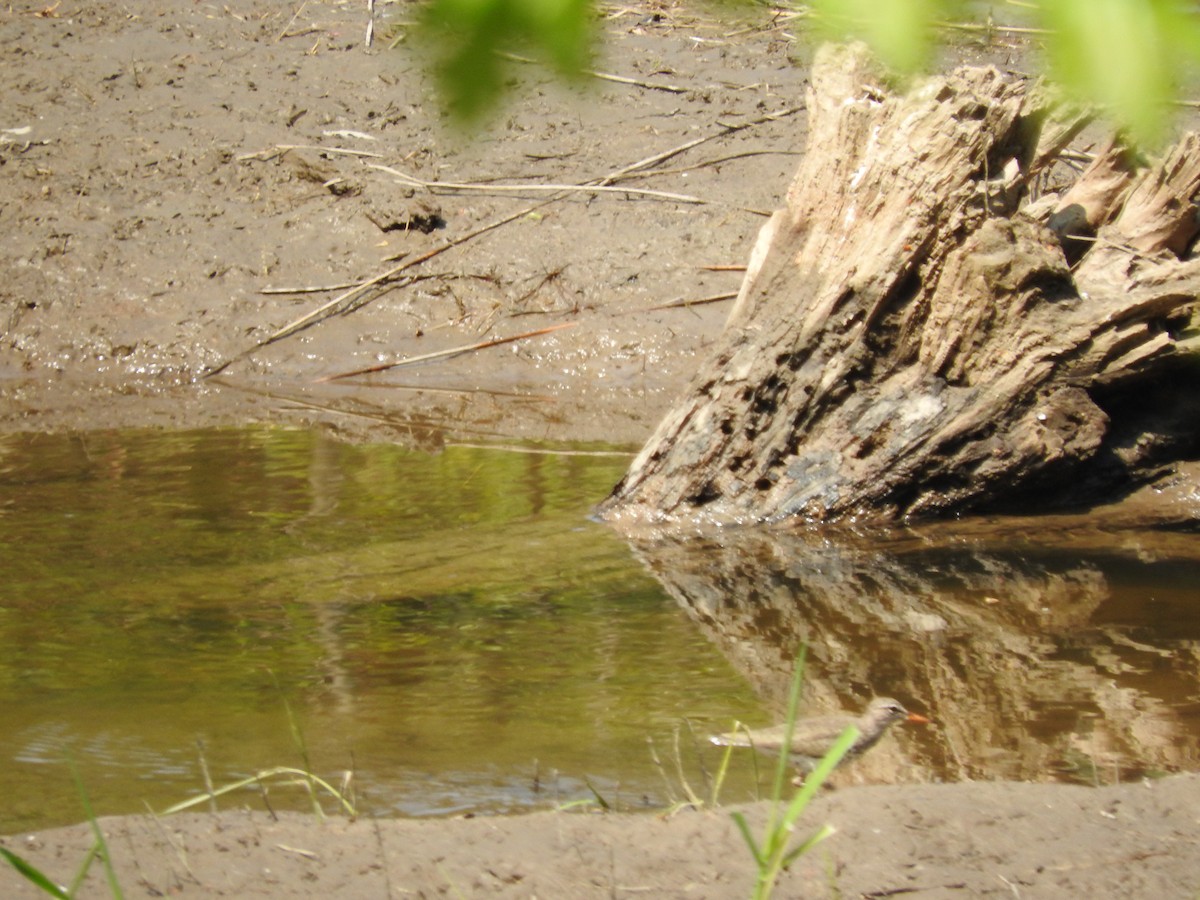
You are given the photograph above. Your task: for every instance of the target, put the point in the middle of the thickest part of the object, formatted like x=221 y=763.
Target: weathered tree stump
x=912 y=337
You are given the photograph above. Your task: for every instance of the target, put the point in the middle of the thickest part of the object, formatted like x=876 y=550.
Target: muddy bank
x=182 y=183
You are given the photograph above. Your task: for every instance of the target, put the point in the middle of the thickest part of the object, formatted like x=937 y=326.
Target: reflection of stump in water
x=999 y=648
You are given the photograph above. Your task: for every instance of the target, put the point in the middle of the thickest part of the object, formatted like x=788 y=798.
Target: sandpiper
x=813 y=737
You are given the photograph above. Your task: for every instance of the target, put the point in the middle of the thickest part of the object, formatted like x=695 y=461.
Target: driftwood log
x=915 y=337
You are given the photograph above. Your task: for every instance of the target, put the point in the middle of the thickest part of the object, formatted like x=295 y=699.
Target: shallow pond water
x=452 y=629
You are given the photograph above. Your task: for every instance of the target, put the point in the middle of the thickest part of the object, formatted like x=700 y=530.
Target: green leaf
x=470 y=36
x=899 y=31
x=1124 y=55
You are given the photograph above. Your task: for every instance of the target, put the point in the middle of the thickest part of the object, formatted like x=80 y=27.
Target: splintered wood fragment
x=715 y=298
x=445 y=354
x=1097 y=195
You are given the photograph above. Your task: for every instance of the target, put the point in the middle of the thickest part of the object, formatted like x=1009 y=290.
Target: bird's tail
x=734 y=739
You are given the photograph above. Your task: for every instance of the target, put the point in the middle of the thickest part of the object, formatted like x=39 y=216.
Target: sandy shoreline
x=983 y=839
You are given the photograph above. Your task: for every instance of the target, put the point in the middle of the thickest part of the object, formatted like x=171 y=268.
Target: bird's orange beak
x=919 y=719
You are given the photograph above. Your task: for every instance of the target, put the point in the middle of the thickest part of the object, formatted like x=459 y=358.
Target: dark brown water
x=455 y=631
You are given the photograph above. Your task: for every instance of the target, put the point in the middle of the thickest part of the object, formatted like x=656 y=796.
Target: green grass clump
x=99 y=850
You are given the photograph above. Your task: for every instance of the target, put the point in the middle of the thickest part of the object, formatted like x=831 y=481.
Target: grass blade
x=813 y=839
x=817 y=777
x=740 y=821
x=299 y=776
x=34 y=875
x=101 y=846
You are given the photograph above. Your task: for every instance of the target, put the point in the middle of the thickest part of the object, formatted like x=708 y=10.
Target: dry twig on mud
x=679 y=304
x=311 y=289
x=444 y=354
x=607 y=76
x=716 y=161
x=284 y=31
x=272 y=152
x=726 y=130
x=505 y=188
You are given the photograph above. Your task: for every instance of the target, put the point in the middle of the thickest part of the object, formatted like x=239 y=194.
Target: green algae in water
x=450 y=626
